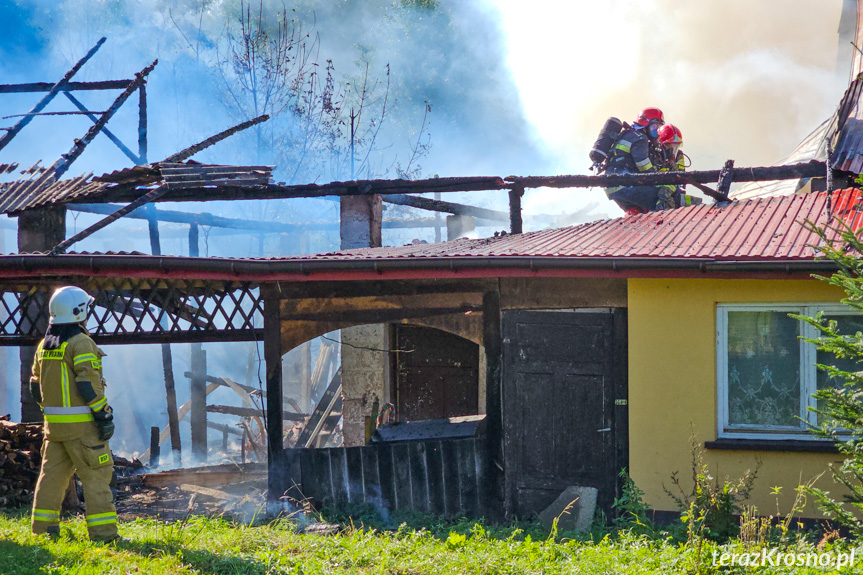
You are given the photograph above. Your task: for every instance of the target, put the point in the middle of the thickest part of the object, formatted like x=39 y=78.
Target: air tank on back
x=607 y=136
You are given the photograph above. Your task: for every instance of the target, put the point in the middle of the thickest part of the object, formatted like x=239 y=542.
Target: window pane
x=848 y=325
x=763 y=369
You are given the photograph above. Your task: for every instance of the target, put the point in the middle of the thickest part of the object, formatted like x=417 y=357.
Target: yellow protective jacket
x=69 y=380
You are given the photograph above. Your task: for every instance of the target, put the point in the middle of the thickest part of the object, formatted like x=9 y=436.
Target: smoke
x=742 y=80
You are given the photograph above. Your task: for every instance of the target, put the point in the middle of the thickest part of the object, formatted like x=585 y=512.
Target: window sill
x=793 y=445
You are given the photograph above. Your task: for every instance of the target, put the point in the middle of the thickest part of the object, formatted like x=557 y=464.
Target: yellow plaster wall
x=672 y=386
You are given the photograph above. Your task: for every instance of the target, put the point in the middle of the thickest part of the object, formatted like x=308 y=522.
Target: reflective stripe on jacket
x=630 y=155
x=71 y=384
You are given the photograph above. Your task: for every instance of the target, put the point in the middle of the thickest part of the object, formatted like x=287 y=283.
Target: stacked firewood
x=20 y=445
x=21 y=458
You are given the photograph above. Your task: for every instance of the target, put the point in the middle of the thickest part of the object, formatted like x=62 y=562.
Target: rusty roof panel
x=765 y=229
x=848 y=137
x=179 y=176
x=39 y=189
x=138 y=175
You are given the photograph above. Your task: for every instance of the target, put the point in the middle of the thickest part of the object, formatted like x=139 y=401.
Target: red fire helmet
x=648 y=115
x=670 y=134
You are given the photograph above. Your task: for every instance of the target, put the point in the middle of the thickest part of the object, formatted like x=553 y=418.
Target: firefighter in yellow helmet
x=67 y=382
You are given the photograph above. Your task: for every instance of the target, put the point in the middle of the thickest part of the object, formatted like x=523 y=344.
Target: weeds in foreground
x=711 y=508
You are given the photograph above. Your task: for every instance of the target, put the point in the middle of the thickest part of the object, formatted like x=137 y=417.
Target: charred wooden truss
x=141 y=311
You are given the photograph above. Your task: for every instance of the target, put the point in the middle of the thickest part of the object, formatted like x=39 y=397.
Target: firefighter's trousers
x=91 y=458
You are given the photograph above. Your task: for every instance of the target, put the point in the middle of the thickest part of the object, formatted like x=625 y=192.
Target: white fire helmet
x=69 y=304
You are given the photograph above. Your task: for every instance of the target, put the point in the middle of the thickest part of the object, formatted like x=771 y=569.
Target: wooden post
x=171 y=395
x=198 y=413
x=437 y=221
x=305 y=352
x=515 y=220
x=278 y=476
x=4 y=355
x=167 y=357
x=155 y=448
x=142 y=123
x=38 y=231
x=491 y=339
x=194 y=249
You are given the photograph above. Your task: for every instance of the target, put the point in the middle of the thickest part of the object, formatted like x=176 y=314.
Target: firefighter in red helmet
x=631 y=154
x=670 y=140
x=672 y=159
x=669 y=158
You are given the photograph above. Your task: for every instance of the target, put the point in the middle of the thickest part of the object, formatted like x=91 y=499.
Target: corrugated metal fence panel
x=445 y=477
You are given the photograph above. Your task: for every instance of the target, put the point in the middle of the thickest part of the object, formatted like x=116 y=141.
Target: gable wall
x=673 y=390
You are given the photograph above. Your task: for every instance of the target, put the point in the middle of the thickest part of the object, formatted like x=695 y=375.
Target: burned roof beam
x=70 y=113
x=60 y=166
x=813 y=169
x=251 y=412
x=205 y=219
x=123 y=148
x=281 y=191
x=468 y=184
x=192 y=150
x=55 y=89
x=145 y=199
x=70 y=86
x=446 y=207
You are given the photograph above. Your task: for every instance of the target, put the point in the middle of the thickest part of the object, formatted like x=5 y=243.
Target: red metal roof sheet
x=764 y=229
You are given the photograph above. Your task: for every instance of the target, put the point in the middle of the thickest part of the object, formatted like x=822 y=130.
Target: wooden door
x=564 y=405
x=437 y=374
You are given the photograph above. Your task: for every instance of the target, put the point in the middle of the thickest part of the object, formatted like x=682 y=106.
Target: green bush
x=840 y=408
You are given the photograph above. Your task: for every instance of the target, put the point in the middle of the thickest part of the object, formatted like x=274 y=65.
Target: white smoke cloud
x=742 y=80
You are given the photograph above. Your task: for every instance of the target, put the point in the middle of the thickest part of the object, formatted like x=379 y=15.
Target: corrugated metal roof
x=766 y=229
x=40 y=189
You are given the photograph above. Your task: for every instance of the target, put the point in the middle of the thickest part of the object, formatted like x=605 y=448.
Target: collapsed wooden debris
x=230 y=490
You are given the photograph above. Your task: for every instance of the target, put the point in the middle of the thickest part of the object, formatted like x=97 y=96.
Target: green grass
x=201 y=545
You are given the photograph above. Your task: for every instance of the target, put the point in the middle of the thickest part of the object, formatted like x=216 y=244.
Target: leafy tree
x=840 y=407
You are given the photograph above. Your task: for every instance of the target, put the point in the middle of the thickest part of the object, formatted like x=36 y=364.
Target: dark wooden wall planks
x=443 y=477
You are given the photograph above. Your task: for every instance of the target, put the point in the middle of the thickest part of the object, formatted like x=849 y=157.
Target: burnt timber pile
x=20 y=458
x=230 y=490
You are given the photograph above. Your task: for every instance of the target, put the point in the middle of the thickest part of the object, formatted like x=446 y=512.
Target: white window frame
x=808 y=371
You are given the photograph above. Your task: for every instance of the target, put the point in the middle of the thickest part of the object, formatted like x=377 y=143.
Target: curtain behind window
x=763 y=369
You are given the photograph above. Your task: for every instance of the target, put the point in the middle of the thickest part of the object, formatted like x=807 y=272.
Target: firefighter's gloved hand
x=104 y=419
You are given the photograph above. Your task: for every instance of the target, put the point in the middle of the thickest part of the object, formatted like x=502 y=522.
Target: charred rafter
x=69 y=86
x=813 y=169
x=53 y=91
x=192 y=150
